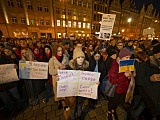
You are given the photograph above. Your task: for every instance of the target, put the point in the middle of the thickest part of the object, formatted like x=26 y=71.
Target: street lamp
x=129 y=20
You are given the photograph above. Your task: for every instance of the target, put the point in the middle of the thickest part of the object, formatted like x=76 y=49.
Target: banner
x=8 y=73
x=33 y=70
x=107 y=26
x=77 y=83
x=125 y=65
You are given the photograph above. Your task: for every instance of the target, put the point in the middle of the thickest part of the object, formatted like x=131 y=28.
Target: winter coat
x=8 y=60
x=117 y=78
x=54 y=65
x=92 y=65
x=143 y=73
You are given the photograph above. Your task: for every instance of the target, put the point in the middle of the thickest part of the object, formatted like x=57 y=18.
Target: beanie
x=78 y=53
x=156 y=49
x=124 y=52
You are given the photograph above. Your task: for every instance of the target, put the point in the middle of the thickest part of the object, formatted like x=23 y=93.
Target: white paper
x=77 y=83
x=107 y=26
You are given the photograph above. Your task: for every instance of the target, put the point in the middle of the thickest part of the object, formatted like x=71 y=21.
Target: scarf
x=59 y=58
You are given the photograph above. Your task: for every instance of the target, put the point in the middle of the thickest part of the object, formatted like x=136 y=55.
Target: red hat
x=124 y=52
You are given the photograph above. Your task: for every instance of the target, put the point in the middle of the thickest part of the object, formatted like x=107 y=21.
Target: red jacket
x=117 y=78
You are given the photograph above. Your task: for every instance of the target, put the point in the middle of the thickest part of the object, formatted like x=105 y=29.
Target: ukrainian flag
x=125 y=65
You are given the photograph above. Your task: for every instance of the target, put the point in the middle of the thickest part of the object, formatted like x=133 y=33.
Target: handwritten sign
x=107 y=26
x=125 y=65
x=33 y=70
x=77 y=83
x=8 y=73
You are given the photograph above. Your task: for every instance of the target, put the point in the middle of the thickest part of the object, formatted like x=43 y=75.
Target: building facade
x=76 y=18
x=47 y=18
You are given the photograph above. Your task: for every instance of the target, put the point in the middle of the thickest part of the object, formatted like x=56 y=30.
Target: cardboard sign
x=77 y=83
x=8 y=73
x=33 y=70
x=107 y=26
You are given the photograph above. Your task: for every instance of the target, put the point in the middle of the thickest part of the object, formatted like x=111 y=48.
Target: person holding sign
x=58 y=61
x=77 y=63
x=122 y=81
x=31 y=86
x=12 y=87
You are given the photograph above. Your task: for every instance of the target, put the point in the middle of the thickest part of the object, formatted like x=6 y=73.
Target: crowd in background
x=88 y=55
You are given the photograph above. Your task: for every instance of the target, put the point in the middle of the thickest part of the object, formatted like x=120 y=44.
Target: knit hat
x=9 y=48
x=78 y=53
x=124 y=52
x=156 y=49
x=111 y=52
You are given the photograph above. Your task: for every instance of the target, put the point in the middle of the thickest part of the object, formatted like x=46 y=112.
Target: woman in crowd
x=95 y=66
x=47 y=54
x=33 y=87
x=90 y=50
x=122 y=82
x=58 y=61
x=77 y=63
x=11 y=88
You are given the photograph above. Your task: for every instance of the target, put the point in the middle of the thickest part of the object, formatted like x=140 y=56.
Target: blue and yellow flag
x=125 y=65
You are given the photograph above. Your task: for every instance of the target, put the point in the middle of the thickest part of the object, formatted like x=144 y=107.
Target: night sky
x=156 y=4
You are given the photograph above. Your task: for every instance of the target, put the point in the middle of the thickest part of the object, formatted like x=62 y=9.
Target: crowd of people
x=89 y=55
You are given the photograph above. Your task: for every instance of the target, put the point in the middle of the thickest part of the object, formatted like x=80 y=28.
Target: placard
x=8 y=73
x=77 y=83
x=107 y=26
x=33 y=70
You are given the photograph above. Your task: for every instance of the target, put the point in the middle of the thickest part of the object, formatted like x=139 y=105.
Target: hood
x=85 y=64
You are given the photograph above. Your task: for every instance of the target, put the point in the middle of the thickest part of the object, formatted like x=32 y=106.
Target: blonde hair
x=30 y=55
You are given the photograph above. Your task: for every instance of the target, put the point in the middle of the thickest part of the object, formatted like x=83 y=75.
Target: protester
x=122 y=82
x=58 y=61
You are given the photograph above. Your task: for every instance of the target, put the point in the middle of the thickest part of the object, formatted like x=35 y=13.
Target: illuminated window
x=74 y=17
x=46 y=8
x=58 y=23
x=69 y=23
x=19 y=3
x=32 y=22
x=29 y=5
x=84 y=25
x=74 y=24
x=41 y=22
x=79 y=24
x=64 y=23
x=88 y=25
x=39 y=7
x=23 y=20
x=10 y=3
x=14 y=19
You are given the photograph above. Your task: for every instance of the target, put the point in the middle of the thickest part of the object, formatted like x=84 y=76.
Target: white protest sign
x=107 y=26
x=33 y=70
x=77 y=83
x=8 y=73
